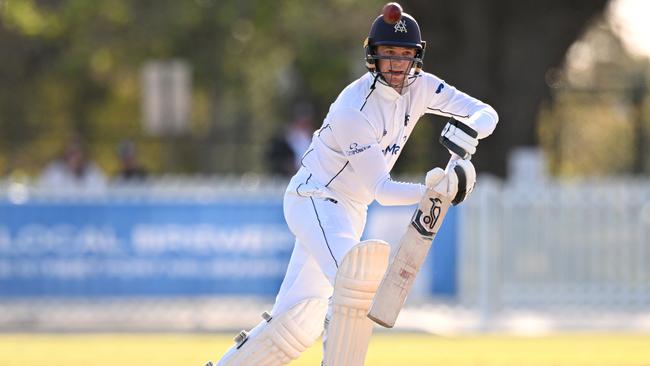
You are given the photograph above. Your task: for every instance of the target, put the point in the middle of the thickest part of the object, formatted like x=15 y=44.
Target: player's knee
x=360 y=273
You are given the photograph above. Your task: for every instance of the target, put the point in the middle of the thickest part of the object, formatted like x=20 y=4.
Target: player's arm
x=358 y=141
x=448 y=101
x=471 y=119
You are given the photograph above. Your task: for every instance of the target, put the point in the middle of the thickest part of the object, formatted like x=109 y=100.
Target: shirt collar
x=388 y=92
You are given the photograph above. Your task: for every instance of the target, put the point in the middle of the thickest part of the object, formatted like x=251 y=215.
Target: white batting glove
x=459 y=139
x=465 y=176
x=441 y=182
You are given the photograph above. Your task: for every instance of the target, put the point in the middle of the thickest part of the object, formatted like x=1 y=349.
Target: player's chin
x=395 y=80
x=397 y=83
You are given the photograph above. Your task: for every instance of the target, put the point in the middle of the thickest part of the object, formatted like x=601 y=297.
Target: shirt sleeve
x=357 y=139
x=451 y=102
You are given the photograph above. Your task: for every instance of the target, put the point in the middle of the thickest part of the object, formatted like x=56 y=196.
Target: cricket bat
x=413 y=248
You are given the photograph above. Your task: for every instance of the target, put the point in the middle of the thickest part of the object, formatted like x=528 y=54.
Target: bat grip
x=453 y=158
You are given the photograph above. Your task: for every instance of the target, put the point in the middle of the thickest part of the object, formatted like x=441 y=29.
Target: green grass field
x=386 y=349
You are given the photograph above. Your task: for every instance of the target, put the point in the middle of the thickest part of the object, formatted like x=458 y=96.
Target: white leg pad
x=280 y=339
x=357 y=279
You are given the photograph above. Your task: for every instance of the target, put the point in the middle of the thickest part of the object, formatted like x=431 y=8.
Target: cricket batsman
x=332 y=275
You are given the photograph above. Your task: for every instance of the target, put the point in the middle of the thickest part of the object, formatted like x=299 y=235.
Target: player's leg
x=349 y=330
x=355 y=268
x=303 y=280
x=295 y=322
x=328 y=230
x=277 y=340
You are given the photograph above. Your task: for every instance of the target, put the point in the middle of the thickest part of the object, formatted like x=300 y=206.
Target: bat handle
x=453 y=158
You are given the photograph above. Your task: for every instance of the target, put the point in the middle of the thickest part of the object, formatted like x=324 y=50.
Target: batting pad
x=280 y=339
x=357 y=279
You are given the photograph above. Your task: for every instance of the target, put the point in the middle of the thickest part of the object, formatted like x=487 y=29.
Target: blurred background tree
x=596 y=119
x=499 y=51
x=75 y=66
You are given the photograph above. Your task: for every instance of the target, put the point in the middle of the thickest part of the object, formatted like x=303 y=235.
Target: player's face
x=395 y=64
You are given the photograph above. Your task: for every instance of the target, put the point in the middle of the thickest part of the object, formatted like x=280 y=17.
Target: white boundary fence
x=570 y=250
x=553 y=247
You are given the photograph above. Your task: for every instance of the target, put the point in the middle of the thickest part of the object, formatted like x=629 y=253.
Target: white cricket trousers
x=325 y=231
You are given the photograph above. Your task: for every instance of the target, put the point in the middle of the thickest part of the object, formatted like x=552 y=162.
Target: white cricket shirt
x=365 y=131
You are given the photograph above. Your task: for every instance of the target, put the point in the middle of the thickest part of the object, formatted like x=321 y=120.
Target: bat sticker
x=424 y=224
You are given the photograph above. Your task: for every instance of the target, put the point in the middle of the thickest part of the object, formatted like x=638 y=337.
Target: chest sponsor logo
x=356 y=149
x=392 y=149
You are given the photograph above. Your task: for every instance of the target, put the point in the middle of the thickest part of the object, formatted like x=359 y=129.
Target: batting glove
x=459 y=139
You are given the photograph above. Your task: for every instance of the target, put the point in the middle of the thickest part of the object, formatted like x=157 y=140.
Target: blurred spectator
x=130 y=168
x=286 y=150
x=73 y=170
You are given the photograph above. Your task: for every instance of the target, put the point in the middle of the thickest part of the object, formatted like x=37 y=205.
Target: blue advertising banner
x=142 y=249
x=172 y=248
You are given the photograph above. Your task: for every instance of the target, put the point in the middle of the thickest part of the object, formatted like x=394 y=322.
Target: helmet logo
x=401 y=27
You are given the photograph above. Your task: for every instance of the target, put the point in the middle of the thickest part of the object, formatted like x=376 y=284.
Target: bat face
x=412 y=250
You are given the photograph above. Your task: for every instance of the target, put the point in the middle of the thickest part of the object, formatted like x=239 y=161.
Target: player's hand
x=456 y=182
x=434 y=177
x=459 y=139
x=465 y=177
x=441 y=182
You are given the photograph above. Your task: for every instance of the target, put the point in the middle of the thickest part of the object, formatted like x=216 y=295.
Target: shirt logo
x=440 y=88
x=393 y=150
x=355 y=149
x=401 y=27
